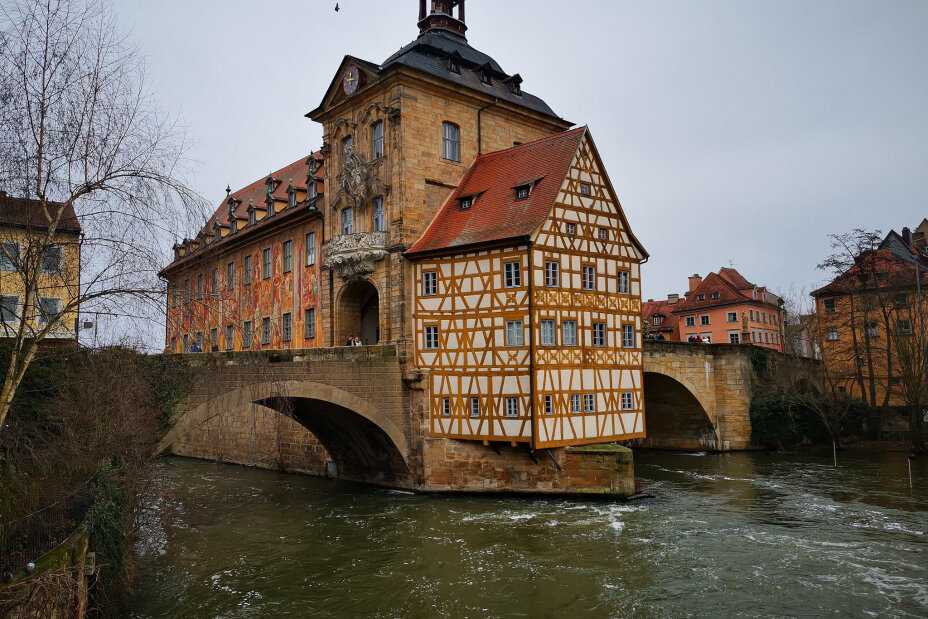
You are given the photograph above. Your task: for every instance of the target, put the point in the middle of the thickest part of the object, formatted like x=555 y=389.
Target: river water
x=742 y=534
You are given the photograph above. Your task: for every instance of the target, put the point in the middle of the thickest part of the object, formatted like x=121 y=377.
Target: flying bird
x=336 y=7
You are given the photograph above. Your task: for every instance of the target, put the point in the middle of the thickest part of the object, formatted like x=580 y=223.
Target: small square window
x=9 y=309
x=832 y=334
x=589 y=403
x=512 y=274
x=704 y=320
x=715 y=295
x=599 y=334
x=700 y=297
x=522 y=193
x=475 y=407
x=628 y=401
x=430 y=283
x=446 y=407
x=512 y=407
x=466 y=203
x=585 y=189
x=431 y=338
x=732 y=317
x=734 y=338
x=690 y=321
x=571 y=228
x=514 y=333
x=603 y=234
x=51 y=260
x=575 y=405
x=549 y=405
x=49 y=310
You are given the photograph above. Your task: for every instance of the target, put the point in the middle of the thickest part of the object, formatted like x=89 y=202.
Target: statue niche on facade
x=359 y=180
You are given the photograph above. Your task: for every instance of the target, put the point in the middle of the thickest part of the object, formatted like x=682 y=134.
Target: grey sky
x=732 y=130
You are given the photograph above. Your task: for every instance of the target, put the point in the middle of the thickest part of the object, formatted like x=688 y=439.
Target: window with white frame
x=429 y=283
x=9 y=308
x=51 y=260
x=690 y=321
x=512 y=407
x=311 y=249
x=475 y=407
x=624 y=282
x=732 y=316
x=547 y=333
x=514 y=333
x=575 y=405
x=431 y=338
x=552 y=274
x=589 y=403
x=628 y=401
x=266 y=271
x=378 y=223
x=286 y=326
x=230 y=337
x=656 y=321
x=288 y=256
x=450 y=141
x=706 y=338
x=549 y=405
x=734 y=337
x=704 y=320
x=446 y=407
x=49 y=310
x=309 y=324
x=588 y=277
x=599 y=334
x=569 y=332
x=628 y=336
x=266 y=331
x=9 y=256
x=377 y=139
x=512 y=274
x=348 y=221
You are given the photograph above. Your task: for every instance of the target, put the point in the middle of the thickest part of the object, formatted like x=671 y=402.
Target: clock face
x=351 y=80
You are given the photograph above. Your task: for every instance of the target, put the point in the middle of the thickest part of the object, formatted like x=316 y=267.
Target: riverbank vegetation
x=90 y=420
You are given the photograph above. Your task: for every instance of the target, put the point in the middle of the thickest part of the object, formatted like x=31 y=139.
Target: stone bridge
x=697 y=396
x=366 y=421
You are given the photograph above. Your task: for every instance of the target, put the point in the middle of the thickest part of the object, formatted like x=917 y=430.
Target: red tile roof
x=735 y=278
x=297 y=171
x=891 y=272
x=664 y=309
x=24 y=212
x=712 y=284
x=491 y=180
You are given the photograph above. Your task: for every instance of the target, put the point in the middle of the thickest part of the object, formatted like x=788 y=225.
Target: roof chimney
x=441 y=17
x=673 y=299
x=695 y=280
x=907 y=236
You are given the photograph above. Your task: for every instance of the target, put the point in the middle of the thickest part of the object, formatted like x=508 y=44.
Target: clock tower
x=397 y=138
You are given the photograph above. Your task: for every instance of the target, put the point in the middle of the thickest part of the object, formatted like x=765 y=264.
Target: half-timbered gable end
x=527 y=301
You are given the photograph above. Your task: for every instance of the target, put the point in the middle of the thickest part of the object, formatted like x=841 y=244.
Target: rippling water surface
x=750 y=535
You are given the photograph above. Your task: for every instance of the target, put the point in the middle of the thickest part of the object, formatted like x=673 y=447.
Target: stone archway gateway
x=359 y=313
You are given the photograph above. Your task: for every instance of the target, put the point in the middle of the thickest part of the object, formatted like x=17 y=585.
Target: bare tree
x=81 y=140
x=912 y=364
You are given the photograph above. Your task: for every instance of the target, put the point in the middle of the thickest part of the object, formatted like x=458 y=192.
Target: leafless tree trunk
x=79 y=134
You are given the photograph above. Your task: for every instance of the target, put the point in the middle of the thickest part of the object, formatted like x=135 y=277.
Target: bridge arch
x=365 y=444
x=679 y=415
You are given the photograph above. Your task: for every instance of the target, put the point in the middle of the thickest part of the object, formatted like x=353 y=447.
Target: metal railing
x=26 y=539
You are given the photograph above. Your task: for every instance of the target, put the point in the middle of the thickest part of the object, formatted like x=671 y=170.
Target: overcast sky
x=735 y=132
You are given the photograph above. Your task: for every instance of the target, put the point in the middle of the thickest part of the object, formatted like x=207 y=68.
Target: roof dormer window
x=716 y=295
x=522 y=192
x=466 y=203
x=485 y=76
x=700 y=297
x=291 y=195
x=453 y=65
x=515 y=84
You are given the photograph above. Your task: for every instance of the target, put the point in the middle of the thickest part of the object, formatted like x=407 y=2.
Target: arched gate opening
x=674 y=416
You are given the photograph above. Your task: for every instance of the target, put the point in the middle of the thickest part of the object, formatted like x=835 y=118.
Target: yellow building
x=39 y=280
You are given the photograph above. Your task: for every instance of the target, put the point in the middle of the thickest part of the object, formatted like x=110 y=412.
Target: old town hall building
x=454 y=215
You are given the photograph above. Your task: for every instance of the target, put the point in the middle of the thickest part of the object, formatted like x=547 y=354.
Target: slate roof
x=429 y=53
x=491 y=180
x=27 y=213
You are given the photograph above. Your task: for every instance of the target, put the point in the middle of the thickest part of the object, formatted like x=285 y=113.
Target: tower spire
x=442 y=16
